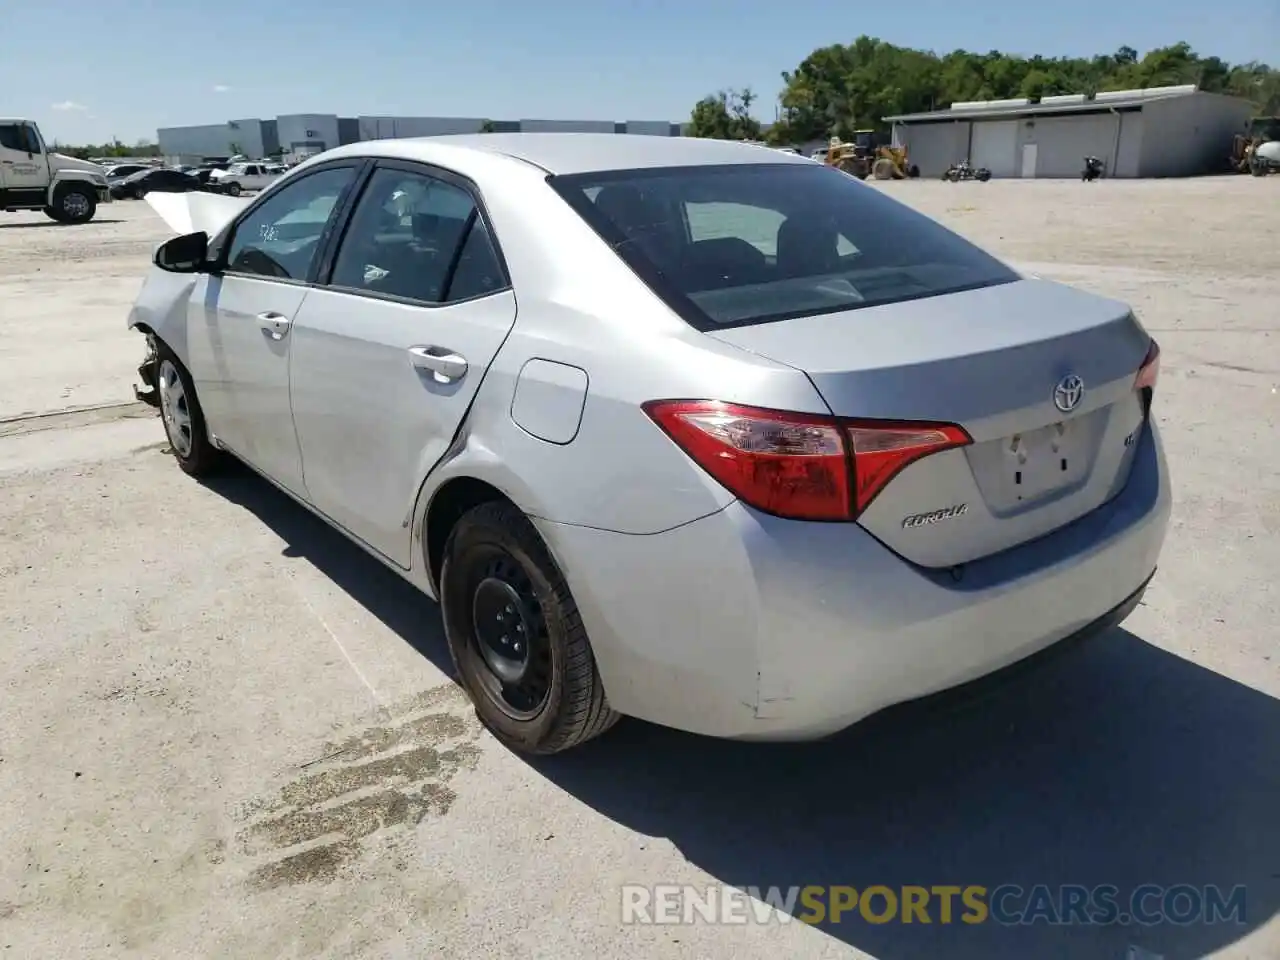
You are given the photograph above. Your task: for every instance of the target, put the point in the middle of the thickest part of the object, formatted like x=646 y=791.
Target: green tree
x=488 y=127
x=841 y=88
x=725 y=115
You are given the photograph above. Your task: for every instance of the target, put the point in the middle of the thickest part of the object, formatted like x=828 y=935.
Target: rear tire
x=516 y=637
x=184 y=424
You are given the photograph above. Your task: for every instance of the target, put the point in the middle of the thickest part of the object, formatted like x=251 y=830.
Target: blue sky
x=130 y=68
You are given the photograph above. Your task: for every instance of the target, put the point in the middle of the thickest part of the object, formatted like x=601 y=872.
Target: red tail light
x=881 y=450
x=1149 y=372
x=798 y=465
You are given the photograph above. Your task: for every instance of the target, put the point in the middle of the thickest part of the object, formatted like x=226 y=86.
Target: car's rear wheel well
x=448 y=505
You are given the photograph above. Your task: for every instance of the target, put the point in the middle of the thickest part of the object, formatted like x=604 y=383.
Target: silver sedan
x=679 y=429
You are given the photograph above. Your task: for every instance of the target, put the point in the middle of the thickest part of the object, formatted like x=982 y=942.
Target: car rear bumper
x=746 y=626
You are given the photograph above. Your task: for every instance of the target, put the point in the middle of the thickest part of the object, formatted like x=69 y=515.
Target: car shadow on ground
x=1113 y=764
x=403 y=608
x=52 y=225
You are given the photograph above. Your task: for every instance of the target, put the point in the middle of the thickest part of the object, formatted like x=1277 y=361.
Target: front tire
x=183 y=419
x=516 y=637
x=75 y=203
x=233 y=189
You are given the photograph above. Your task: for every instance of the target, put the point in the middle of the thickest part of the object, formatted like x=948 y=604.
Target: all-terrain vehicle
x=33 y=178
x=964 y=170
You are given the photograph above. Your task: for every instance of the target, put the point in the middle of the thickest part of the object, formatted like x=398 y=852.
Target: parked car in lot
x=762 y=451
x=119 y=171
x=158 y=180
x=243 y=177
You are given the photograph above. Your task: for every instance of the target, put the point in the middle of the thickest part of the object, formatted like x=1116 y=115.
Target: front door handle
x=445 y=365
x=275 y=324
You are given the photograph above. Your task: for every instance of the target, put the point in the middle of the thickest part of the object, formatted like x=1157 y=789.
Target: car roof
x=568 y=153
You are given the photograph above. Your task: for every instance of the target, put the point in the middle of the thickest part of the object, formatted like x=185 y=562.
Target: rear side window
x=416 y=237
x=757 y=243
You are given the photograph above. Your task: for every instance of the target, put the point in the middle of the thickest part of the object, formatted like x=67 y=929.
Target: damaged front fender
x=146 y=390
x=160 y=313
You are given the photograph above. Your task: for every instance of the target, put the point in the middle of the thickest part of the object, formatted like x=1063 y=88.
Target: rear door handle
x=443 y=363
x=276 y=324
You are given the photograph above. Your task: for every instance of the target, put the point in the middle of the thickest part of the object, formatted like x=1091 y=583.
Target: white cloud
x=221 y=88
x=70 y=105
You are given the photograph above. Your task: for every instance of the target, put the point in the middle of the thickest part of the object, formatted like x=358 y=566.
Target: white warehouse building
x=1156 y=132
x=299 y=135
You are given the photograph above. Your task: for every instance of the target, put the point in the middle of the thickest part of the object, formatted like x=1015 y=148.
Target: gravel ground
x=228 y=733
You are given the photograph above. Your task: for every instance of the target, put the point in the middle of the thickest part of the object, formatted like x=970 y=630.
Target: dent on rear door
x=371 y=424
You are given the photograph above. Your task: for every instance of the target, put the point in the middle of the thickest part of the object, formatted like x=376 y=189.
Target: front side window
x=410 y=234
x=755 y=243
x=280 y=237
x=11 y=137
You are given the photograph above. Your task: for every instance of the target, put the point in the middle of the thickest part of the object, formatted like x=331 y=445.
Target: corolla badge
x=934 y=516
x=1068 y=393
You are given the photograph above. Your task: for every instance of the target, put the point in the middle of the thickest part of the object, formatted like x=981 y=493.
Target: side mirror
x=185 y=254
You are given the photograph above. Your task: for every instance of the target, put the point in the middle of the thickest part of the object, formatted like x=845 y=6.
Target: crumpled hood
x=196 y=212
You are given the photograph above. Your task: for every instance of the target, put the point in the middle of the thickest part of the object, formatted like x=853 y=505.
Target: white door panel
x=241 y=320
x=1029 y=151
x=374 y=413
x=22 y=165
x=242 y=376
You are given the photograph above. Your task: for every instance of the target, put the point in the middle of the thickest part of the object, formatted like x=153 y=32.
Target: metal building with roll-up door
x=1156 y=132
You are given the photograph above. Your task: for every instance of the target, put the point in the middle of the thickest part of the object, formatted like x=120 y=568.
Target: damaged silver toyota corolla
x=680 y=429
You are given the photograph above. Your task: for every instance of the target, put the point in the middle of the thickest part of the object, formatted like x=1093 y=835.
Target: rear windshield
x=755 y=243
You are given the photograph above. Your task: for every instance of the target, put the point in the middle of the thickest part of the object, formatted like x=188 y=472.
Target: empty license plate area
x=1027 y=467
x=1044 y=461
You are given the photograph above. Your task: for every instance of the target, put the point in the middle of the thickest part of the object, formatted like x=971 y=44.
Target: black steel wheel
x=509 y=633
x=515 y=635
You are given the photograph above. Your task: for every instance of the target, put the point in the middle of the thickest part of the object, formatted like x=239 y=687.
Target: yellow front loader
x=869 y=157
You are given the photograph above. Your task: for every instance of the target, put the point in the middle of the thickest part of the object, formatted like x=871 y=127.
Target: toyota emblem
x=1068 y=393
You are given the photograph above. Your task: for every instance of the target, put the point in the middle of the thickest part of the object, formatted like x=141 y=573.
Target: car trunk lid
x=990 y=360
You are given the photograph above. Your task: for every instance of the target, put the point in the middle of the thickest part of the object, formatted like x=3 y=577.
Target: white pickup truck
x=31 y=178
x=240 y=177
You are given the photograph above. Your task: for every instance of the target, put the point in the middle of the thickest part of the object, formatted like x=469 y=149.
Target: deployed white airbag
x=195 y=212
